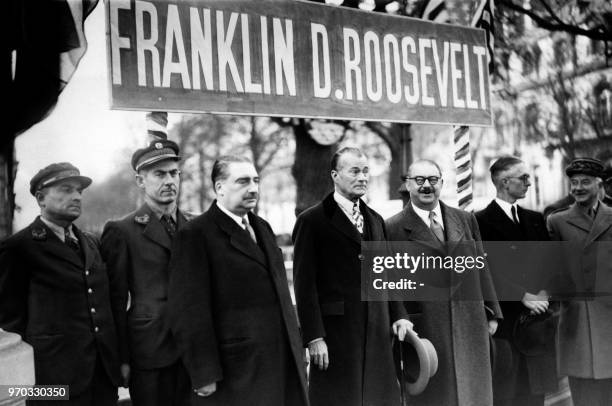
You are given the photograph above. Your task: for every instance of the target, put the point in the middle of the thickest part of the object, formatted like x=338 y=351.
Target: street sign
x=294 y=59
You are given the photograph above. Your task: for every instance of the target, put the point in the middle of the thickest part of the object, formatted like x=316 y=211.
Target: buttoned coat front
x=585 y=326
x=327 y=273
x=137 y=249
x=457 y=328
x=495 y=225
x=231 y=313
x=62 y=305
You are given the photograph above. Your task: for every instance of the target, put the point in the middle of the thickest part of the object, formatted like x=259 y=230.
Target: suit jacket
x=231 y=313
x=536 y=374
x=457 y=328
x=327 y=274
x=585 y=326
x=62 y=304
x=137 y=250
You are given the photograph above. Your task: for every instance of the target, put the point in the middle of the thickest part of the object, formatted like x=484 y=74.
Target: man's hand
x=492 y=327
x=318 y=354
x=207 y=390
x=125 y=375
x=538 y=304
x=401 y=328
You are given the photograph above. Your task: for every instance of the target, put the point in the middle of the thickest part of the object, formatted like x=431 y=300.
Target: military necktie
x=169 y=224
x=357 y=218
x=435 y=226
x=514 y=217
x=249 y=229
x=70 y=241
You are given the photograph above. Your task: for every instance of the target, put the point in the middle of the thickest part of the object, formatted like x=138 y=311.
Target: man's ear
x=139 y=180
x=40 y=198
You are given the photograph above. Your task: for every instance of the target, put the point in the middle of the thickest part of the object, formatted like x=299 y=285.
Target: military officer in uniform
x=584 y=350
x=57 y=294
x=137 y=249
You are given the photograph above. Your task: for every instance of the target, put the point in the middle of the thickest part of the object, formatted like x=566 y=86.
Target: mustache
x=425 y=189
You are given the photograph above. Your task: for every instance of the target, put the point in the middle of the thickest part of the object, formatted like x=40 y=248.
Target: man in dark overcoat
x=526 y=381
x=584 y=349
x=229 y=303
x=349 y=341
x=57 y=294
x=458 y=329
x=137 y=249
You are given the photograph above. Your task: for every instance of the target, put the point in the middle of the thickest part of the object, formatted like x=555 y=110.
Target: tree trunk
x=7 y=196
x=310 y=169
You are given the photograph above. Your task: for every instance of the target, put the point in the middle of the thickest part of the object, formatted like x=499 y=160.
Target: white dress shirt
x=507 y=208
x=424 y=215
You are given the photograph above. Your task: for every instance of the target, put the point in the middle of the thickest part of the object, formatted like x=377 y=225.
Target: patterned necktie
x=168 y=224
x=70 y=241
x=435 y=226
x=514 y=217
x=357 y=218
x=249 y=229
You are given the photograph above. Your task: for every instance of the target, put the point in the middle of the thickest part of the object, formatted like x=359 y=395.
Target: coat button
x=87 y=272
x=90 y=291
x=361 y=257
x=96 y=329
x=93 y=310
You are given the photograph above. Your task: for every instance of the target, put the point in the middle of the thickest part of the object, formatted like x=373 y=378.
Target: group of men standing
x=197 y=311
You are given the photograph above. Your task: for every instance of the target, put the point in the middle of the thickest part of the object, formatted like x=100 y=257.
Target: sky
x=82 y=129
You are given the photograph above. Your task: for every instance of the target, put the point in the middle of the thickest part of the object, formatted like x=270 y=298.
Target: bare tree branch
x=598 y=33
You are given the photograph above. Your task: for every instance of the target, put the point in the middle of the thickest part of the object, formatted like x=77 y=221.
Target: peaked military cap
x=158 y=150
x=55 y=173
x=585 y=166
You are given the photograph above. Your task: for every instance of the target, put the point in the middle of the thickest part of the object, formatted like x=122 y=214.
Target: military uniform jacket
x=137 y=249
x=585 y=326
x=61 y=304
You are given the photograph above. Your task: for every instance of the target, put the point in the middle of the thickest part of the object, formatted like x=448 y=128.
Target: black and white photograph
x=306 y=203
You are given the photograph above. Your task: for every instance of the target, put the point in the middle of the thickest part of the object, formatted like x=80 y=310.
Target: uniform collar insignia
x=144 y=219
x=39 y=234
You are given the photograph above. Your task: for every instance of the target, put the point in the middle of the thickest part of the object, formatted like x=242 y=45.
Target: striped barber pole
x=157 y=125
x=463 y=166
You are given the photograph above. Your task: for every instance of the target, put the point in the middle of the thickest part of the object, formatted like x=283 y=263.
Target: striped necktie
x=357 y=218
x=435 y=226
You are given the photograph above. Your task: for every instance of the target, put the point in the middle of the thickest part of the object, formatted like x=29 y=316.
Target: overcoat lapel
x=339 y=220
x=239 y=238
x=52 y=245
x=602 y=222
x=152 y=228
x=86 y=248
x=578 y=219
x=417 y=230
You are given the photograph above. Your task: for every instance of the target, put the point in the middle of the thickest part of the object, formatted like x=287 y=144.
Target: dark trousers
x=521 y=400
x=591 y=392
x=100 y=392
x=167 y=386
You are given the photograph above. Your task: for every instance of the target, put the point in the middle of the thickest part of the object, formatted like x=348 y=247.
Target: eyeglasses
x=420 y=180
x=523 y=178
